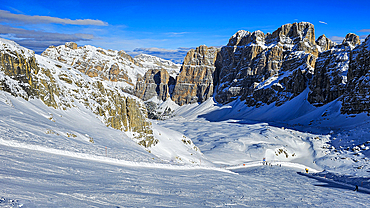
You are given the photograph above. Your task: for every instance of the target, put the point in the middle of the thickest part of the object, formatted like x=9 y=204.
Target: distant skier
x=356 y=189
x=263 y=161
x=306 y=170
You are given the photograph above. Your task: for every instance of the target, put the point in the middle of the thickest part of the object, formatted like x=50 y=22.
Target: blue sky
x=169 y=25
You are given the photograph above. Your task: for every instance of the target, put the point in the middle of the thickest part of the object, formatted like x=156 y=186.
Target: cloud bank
x=40 y=40
x=6 y=16
x=364 y=30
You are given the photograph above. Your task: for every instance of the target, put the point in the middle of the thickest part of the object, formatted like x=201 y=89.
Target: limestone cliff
x=330 y=77
x=264 y=68
x=356 y=96
x=30 y=76
x=154 y=83
x=195 y=81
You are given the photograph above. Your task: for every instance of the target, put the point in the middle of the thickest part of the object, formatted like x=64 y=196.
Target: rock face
x=264 y=68
x=195 y=81
x=330 y=77
x=30 y=76
x=109 y=65
x=356 y=97
x=159 y=79
x=154 y=83
x=152 y=62
x=324 y=43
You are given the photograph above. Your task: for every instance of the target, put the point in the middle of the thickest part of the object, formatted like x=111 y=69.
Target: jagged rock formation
x=109 y=65
x=159 y=78
x=324 y=43
x=152 y=62
x=30 y=76
x=330 y=77
x=154 y=83
x=264 y=68
x=356 y=97
x=195 y=81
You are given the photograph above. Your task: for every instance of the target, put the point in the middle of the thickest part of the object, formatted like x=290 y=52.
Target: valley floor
x=39 y=179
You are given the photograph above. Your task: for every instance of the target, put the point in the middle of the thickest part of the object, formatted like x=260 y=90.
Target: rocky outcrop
x=330 y=77
x=356 y=96
x=264 y=68
x=109 y=65
x=195 y=81
x=154 y=83
x=30 y=76
x=324 y=43
x=148 y=62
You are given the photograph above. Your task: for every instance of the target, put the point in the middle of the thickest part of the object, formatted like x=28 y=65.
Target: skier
x=306 y=170
x=356 y=189
x=264 y=161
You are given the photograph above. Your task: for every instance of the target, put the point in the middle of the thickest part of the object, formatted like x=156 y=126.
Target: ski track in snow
x=101 y=159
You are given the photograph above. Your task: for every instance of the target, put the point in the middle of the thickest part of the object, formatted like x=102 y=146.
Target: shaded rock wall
x=330 y=77
x=154 y=83
x=356 y=98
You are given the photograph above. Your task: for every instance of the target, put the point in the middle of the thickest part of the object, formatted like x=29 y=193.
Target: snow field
x=41 y=179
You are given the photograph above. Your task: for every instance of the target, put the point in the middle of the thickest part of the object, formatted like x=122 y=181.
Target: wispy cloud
x=337 y=39
x=364 y=30
x=323 y=22
x=176 y=34
x=6 y=16
x=40 y=40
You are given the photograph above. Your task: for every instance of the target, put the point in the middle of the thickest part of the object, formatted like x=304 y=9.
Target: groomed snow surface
x=207 y=156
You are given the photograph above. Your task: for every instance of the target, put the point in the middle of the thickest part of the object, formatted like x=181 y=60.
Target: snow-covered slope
x=152 y=62
x=296 y=131
x=67 y=91
x=109 y=65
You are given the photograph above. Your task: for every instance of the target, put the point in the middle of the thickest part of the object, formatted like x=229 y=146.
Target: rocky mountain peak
x=300 y=35
x=266 y=68
x=237 y=37
x=324 y=43
x=71 y=45
x=351 y=40
x=242 y=38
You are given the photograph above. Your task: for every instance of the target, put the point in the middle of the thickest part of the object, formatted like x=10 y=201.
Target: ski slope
x=32 y=178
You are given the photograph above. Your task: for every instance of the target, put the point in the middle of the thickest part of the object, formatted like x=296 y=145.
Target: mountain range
x=286 y=96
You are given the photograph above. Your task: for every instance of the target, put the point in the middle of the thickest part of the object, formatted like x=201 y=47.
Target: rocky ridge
x=269 y=68
x=265 y=68
x=109 y=65
x=58 y=85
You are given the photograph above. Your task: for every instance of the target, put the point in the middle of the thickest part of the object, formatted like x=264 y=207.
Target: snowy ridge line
x=322 y=179
x=284 y=164
x=103 y=159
